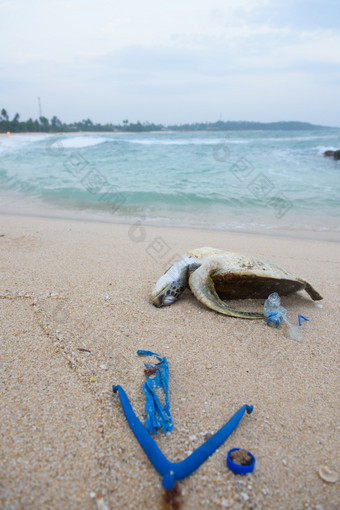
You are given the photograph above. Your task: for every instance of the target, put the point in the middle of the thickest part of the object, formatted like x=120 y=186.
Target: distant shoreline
x=55 y=126
x=165 y=131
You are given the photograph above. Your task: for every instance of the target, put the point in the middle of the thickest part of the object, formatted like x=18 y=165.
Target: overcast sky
x=171 y=61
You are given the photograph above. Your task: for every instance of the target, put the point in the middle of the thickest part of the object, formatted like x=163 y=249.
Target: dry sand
x=65 y=443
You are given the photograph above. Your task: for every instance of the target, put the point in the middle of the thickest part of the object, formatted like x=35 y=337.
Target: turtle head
x=171 y=285
x=167 y=292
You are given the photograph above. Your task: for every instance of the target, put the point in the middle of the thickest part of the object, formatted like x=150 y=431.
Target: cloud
x=148 y=56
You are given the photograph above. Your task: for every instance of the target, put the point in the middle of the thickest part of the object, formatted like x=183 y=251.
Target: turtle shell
x=239 y=276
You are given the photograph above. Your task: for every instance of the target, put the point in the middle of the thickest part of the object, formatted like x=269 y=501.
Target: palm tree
x=4 y=114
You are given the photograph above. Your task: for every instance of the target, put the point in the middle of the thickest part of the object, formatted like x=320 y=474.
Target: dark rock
x=334 y=154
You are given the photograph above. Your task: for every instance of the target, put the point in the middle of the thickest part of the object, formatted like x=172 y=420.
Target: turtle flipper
x=202 y=286
x=312 y=292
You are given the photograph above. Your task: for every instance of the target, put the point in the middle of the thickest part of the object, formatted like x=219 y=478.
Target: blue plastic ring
x=274 y=317
x=237 y=468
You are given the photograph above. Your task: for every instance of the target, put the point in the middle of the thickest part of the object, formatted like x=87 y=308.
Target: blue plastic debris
x=273 y=310
x=157 y=416
x=240 y=469
x=302 y=317
x=172 y=471
x=275 y=314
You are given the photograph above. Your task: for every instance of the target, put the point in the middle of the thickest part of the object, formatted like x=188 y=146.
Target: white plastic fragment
x=292 y=332
x=101 y=505
x=327 y=474
x=227 y=503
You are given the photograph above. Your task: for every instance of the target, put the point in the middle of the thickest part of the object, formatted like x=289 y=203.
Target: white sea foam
x=14 y=142
x=225 y=138
x=188 y=141
x=78 y=142
x=289 y=139
x=321 y=149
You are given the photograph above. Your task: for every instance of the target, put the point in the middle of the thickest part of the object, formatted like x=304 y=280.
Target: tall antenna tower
x=39 y=106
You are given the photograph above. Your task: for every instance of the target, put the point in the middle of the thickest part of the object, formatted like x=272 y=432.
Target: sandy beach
x=75 y=307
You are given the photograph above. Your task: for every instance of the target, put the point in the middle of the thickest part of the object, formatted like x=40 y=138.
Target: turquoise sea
x=237 y=180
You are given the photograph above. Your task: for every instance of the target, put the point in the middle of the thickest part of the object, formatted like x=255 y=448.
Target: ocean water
x=245 y=181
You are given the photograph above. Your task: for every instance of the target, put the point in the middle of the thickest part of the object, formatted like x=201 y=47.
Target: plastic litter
x=101 y=505
x=157 y=416
x=240 y=469
x=172 y=471
x=302 y=317
x=328 y=475
x=275 y=314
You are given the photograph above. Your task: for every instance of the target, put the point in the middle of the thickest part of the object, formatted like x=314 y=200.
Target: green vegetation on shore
x=54 y=125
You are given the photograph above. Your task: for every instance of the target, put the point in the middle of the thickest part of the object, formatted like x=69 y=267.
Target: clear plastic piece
x=275 y=314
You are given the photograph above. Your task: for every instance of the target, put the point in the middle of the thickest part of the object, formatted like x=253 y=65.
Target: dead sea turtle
x=214 y=275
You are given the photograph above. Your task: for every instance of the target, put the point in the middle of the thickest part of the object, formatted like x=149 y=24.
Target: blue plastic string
x=302 y=317
x=157 y=416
